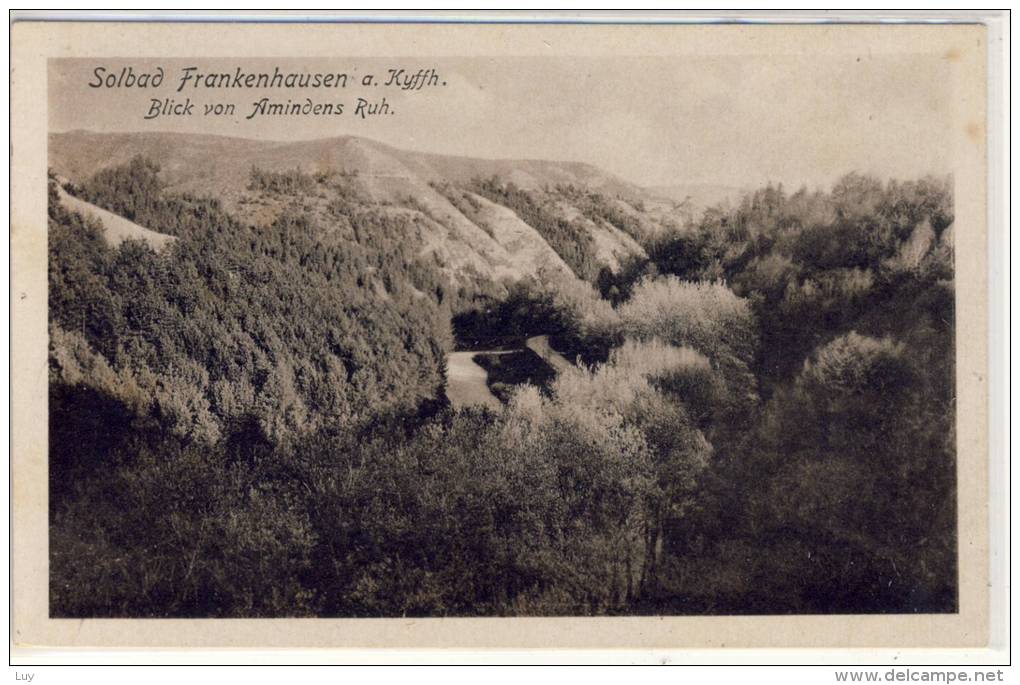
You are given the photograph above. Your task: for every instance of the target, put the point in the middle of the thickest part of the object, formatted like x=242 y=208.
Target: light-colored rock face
x=523 y=251
x=480 y=240
x=613 y=246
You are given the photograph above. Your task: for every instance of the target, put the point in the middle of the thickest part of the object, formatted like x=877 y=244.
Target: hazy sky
x=654 y=121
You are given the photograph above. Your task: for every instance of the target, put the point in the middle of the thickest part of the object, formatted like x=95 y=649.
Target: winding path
x=466 y=381
x=539 y=344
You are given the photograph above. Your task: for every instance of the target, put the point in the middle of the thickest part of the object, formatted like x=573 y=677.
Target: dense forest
x=253 y=421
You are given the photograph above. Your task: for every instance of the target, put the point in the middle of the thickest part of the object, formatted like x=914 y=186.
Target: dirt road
x=539 y=344
x=466 y=381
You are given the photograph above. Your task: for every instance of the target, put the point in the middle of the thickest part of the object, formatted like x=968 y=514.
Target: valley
x=336 y=378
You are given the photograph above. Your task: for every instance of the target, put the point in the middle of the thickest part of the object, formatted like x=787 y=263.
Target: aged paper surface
x=505 y=92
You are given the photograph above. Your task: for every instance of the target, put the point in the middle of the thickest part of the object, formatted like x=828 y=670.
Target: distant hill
x=700 y=195
x=219 y=163
x=468 y=232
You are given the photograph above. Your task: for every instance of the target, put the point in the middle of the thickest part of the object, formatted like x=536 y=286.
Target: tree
x=707 y=317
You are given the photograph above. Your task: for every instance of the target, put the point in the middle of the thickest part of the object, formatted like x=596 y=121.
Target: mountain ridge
x=128 y=143
x=576 y=218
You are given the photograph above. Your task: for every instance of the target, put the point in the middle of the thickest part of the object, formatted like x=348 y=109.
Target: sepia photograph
x=411 y=334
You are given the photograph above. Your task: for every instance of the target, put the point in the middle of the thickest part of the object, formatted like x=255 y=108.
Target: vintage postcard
x=489 y=335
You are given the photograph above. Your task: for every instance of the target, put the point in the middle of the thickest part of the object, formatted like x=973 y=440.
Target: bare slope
x=487 y=240
x=116 y=229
